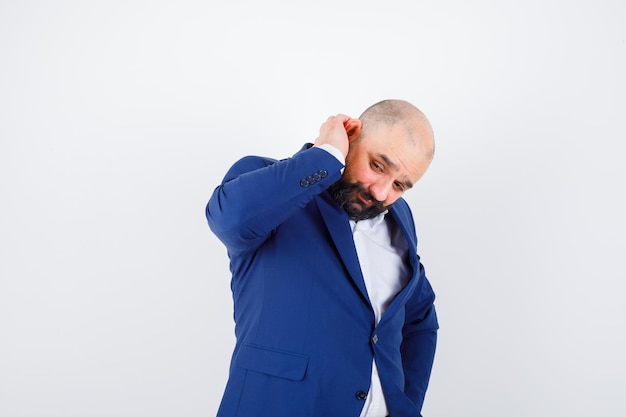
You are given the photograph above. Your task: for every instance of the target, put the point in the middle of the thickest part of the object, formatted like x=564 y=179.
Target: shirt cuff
x=334 y=152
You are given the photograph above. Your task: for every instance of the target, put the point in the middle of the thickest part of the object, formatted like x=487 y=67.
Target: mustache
x=343 y=190
x=366 y=195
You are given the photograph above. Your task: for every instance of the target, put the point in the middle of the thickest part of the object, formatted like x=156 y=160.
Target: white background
x=118 y=118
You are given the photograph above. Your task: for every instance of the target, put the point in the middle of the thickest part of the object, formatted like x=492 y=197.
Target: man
x=334 y=316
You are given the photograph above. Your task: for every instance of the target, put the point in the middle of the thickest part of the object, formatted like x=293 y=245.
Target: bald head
x=400 y=113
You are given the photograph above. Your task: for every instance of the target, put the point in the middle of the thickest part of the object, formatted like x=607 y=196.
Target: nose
x=380 y=190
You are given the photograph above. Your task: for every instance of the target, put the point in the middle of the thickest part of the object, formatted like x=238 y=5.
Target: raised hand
x=338 y=131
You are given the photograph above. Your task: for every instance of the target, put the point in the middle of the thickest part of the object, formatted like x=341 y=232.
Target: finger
x=350 y=121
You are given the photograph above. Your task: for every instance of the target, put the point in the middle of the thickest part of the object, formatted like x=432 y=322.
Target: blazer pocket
x=277 y=363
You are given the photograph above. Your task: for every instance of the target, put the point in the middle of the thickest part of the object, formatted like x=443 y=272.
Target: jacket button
x=323 y=173
x=375 y=339
x=361 y=395
x=304 y=183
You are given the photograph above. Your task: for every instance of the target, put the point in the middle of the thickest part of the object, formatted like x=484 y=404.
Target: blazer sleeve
x=258 y=194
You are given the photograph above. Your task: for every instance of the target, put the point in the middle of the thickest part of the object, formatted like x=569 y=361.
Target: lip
x=364 y=200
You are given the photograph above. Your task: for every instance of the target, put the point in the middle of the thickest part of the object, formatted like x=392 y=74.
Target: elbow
x=215 y=211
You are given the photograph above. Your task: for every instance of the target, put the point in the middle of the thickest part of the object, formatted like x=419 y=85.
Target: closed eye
x=377 y=167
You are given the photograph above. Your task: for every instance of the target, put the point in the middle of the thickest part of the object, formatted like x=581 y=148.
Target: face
x=381 y=165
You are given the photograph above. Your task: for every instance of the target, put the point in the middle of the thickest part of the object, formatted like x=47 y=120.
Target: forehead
x=397 y=148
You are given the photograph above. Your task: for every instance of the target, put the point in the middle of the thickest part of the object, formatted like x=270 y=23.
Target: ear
x=353 y=128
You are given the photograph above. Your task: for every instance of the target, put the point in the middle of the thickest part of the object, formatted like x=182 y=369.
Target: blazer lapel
x=402 y=297
x=338 y=226
x=402 y=224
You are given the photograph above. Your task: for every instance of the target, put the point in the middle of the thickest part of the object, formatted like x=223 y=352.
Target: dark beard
x=347 y=194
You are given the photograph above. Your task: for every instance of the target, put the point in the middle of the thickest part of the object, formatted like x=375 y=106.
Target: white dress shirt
x=382 y=251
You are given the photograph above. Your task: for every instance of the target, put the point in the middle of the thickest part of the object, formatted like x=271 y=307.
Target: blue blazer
x=305 y=330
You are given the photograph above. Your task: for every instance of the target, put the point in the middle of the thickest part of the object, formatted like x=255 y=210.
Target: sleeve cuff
x=334 y=152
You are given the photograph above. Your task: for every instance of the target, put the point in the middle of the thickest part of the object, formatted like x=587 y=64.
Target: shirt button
x=361 y=395
x=375 y=339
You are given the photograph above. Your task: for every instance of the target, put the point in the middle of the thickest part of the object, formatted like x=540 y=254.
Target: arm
x=258 y=194
x=419 y=341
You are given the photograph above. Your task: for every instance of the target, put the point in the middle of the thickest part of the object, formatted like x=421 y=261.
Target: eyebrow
x=394 y=167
